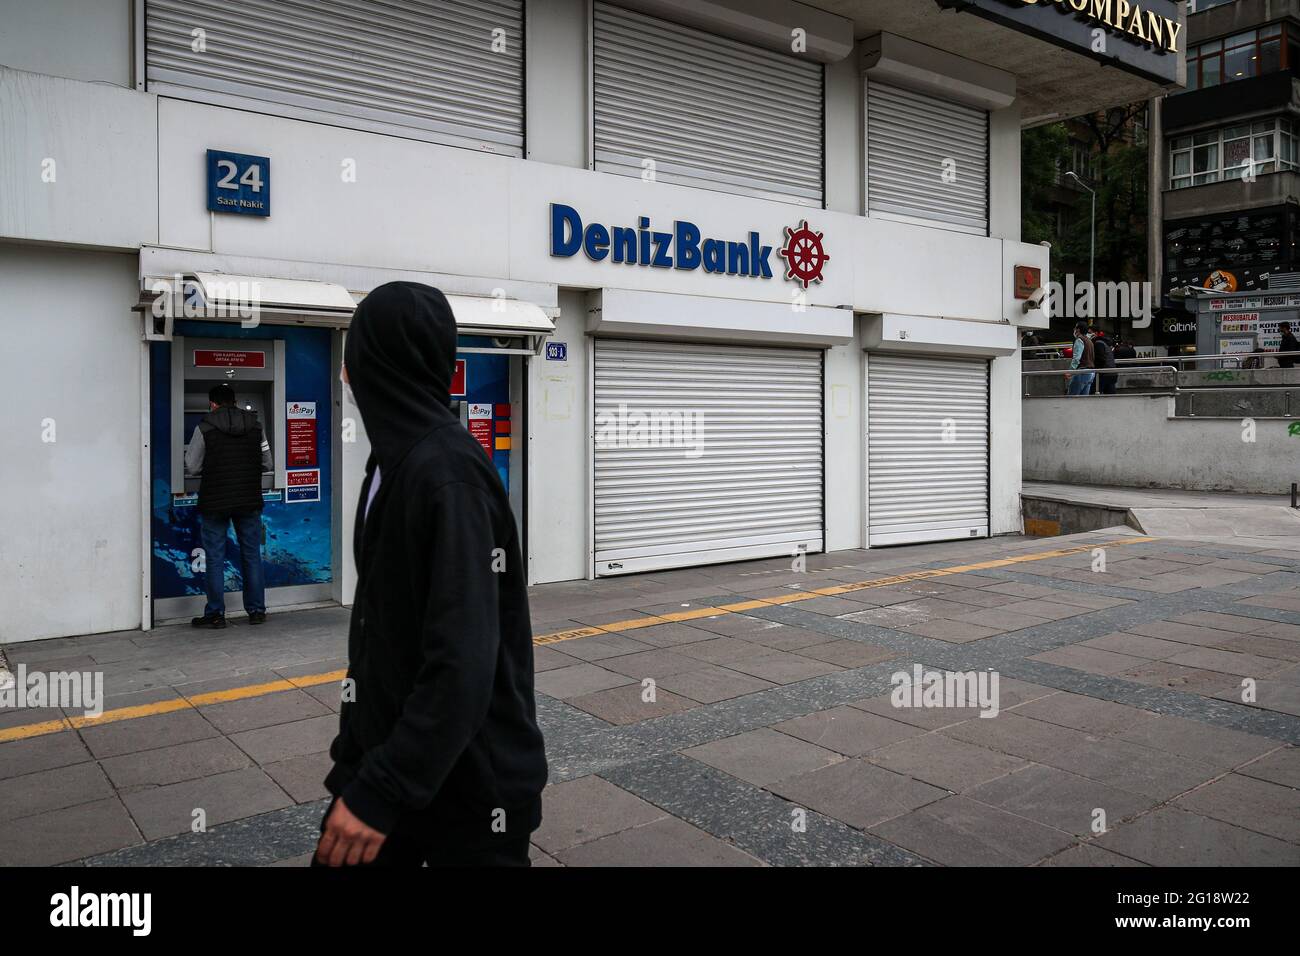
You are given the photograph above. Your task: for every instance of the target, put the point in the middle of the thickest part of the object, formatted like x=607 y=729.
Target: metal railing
x=1290 y=393
x=1179 y=360
x=1116 y=372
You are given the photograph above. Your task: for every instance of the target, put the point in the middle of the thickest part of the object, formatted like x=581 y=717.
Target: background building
x=1225 y=167
x=800 y=222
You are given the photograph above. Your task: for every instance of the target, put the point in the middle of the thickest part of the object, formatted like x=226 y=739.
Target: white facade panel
x=70 y=444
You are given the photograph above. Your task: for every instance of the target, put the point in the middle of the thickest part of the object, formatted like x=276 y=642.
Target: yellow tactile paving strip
x=25 y=731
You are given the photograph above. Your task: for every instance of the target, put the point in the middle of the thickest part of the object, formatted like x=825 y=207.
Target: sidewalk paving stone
x=667 y=841
x=1250 y=803
x=958 y=831
x=763 y=756
x=858 y=793
x=1171 y=836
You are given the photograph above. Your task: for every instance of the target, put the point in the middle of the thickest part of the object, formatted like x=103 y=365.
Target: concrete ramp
x=1261 y=521
x=1273 y=522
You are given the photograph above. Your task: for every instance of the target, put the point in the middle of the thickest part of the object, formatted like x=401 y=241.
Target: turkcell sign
x=682 y=247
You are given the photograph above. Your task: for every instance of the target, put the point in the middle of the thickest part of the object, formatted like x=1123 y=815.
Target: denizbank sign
x=682 y=245
x=1144 y=37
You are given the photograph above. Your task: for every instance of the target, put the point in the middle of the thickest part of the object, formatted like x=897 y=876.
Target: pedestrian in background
x=230 y=453
x=1081 y=359
x=1104 y=357
x=1288 y=344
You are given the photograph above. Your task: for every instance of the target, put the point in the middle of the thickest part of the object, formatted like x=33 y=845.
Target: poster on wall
x=480 y=425
x=302 y=484
x=300 y=417
x=1237 y=345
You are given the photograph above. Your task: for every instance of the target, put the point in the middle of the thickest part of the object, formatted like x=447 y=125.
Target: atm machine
x=254 y=368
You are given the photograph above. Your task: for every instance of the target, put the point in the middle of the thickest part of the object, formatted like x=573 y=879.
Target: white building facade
x=734 y=280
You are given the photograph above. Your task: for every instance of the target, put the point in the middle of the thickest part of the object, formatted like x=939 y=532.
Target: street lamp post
x=1092 y=233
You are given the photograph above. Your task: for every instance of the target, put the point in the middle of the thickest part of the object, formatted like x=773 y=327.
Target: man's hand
x=346 y=841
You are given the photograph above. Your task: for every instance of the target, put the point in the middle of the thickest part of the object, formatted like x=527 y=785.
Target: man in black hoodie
x=228 y=449
x=439 y=758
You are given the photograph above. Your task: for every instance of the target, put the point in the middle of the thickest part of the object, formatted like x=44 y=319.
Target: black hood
x=232 y=420
x=400 y=356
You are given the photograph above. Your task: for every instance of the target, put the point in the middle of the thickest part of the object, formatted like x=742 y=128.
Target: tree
x=1118 y=152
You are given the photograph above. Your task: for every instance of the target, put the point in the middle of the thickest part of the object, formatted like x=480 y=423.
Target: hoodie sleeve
x=460 y=637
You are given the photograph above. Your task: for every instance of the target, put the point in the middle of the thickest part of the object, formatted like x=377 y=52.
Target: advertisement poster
x=480 y=425
x=300 y=418
x=303 y=484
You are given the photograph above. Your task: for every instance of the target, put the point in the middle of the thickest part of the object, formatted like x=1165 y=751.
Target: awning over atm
x=246 y=298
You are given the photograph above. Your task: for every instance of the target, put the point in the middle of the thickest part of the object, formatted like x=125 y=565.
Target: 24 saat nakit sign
x=683 y=246
x=1144 y=37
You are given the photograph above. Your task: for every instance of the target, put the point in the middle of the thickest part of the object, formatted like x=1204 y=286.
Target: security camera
x=1035 y=300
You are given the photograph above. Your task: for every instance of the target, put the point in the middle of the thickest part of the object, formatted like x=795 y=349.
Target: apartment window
x=1083 y=161
x=1252 y=53
x=1222 y=154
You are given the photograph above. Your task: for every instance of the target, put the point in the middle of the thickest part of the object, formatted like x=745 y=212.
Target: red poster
x=458 y=378
x=221 y=358
x=302 y=442
x=481 y=429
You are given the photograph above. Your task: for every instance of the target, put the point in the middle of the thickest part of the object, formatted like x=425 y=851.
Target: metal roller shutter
x=909 y=136
x=752 y=484
x=710 y=112
x=927 y=449
x=418 y=65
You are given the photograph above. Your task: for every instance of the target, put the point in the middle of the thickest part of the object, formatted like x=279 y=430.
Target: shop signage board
x=1249 y=324
x=224 y=358
x=1143 y=37
x=300 y=419
x=683 y=245
x=303 y=485
x=239 y=183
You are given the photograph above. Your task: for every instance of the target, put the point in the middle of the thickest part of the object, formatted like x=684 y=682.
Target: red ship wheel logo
x=803 y=254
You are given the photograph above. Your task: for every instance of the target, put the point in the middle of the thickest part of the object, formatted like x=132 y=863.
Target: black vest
x=232 y=463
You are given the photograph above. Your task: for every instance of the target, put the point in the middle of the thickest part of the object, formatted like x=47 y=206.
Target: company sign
x=683 y=246
x=1144 y=37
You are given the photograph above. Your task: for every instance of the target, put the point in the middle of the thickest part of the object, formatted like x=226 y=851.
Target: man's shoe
x=209 y=620
x=257 y=617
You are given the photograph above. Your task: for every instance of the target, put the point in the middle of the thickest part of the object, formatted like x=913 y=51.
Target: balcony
x=1270 y=189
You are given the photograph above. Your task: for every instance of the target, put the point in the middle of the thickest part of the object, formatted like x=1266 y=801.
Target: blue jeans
x=1080 y=383
x=248 y=531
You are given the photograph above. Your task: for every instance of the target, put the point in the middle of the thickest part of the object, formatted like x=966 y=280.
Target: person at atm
x=438 y=759
x=230 y=453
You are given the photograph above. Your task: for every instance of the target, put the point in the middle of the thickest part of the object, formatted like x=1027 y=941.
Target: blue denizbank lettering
x=684 y=247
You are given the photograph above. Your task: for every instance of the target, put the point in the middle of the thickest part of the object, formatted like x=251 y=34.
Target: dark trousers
x=248 y=532
x=445 y=849
x=1107 y=382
